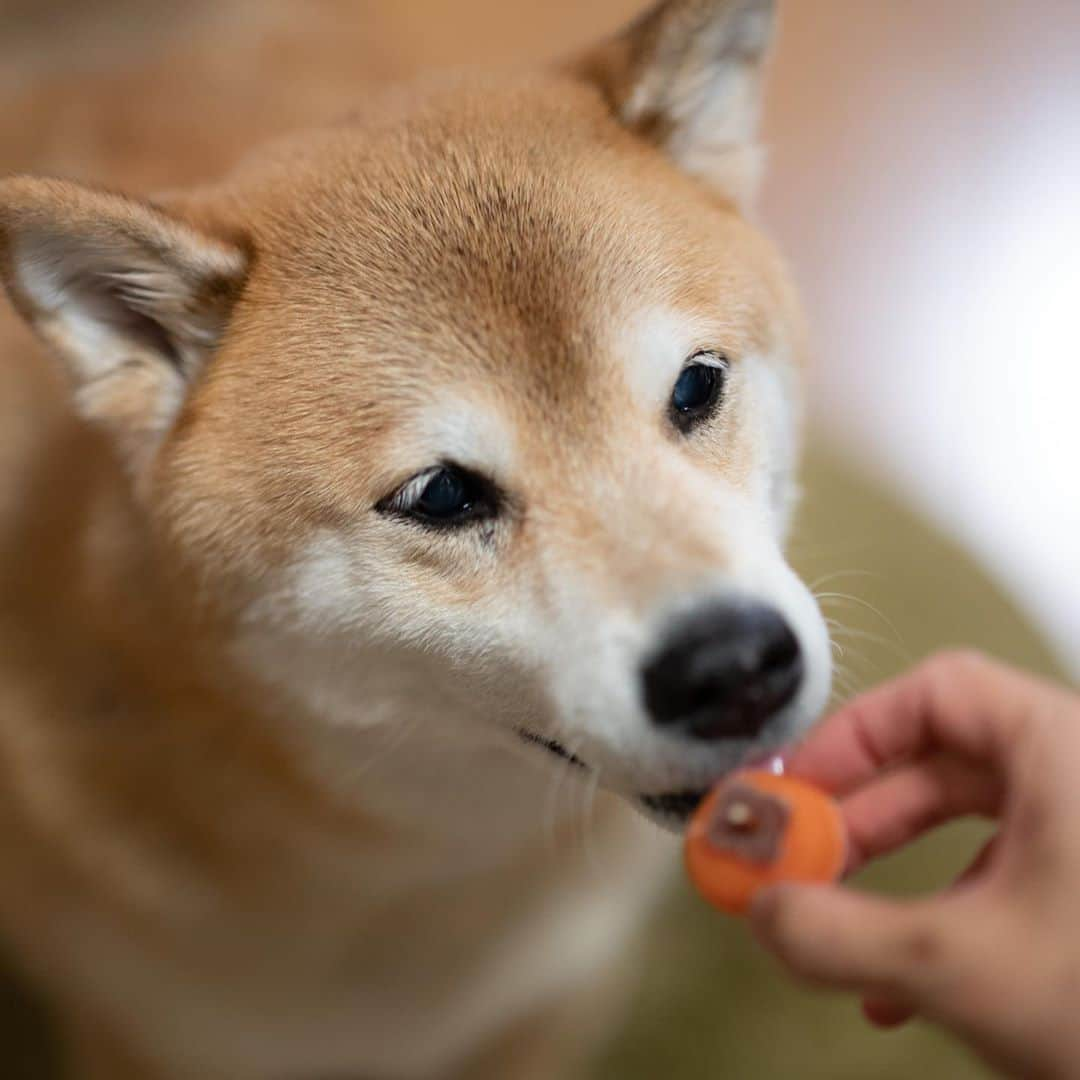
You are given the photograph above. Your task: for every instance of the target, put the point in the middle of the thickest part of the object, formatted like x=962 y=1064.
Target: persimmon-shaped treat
x=757 y=829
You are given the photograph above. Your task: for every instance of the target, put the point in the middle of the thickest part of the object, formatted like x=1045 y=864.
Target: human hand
x=995 y=958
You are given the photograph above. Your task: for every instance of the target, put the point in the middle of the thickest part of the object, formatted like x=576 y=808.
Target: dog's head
x=481 y=407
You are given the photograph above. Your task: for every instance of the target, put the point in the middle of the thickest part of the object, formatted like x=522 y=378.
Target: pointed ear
x=131 y=299
x=687 y=76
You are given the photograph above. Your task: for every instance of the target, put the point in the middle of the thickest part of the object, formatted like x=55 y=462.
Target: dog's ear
x=130 y=298
x=688 y=76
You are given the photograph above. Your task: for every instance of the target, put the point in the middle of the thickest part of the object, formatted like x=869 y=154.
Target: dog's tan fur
x=264 y=808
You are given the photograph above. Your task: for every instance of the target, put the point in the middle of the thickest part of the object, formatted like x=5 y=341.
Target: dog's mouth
x=553 y=746
x=674 y=806
x=671 y=807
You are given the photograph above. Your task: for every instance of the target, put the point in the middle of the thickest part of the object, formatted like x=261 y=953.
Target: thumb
x=835 y=937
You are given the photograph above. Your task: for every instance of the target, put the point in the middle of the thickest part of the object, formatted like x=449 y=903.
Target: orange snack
x=757 y=829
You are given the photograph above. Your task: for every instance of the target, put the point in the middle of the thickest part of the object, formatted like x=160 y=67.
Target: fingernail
x=772 y=761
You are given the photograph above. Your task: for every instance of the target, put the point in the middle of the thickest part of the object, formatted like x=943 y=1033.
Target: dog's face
x=483 y=407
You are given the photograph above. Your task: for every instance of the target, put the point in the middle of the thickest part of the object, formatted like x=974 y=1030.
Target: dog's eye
x=698 y=390
x=444 y=496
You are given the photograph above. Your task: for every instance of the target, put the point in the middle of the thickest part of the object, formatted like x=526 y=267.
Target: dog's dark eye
x=698 y=390
x=444 y=496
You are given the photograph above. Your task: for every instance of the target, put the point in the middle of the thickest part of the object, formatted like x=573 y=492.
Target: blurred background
x=925 y=182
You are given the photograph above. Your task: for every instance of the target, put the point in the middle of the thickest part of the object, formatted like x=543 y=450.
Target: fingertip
x=774 y=914
x=764 y=910
x=831 y=755
x=886 y=1014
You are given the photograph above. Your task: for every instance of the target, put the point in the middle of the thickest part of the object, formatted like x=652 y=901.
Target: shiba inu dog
x=432 y=482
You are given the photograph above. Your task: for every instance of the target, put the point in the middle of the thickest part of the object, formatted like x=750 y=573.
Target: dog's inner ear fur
x=688 y=77
x=132 y=300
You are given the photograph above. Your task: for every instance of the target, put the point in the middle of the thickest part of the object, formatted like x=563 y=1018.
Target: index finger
x=960 y=703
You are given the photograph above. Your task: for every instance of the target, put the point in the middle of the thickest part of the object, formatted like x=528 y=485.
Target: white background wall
x=926 y=181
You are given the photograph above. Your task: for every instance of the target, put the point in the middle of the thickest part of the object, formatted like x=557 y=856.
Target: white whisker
x=847 y=598
x=588 y=818
x=551 y=807
x=837 y=575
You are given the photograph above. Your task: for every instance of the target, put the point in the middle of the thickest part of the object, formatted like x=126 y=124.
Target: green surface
x=712 y=1004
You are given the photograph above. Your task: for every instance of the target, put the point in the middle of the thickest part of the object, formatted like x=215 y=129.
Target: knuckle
x=943 y=956
x=924 y=946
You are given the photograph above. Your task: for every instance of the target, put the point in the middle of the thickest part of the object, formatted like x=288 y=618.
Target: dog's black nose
x=723 y=671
